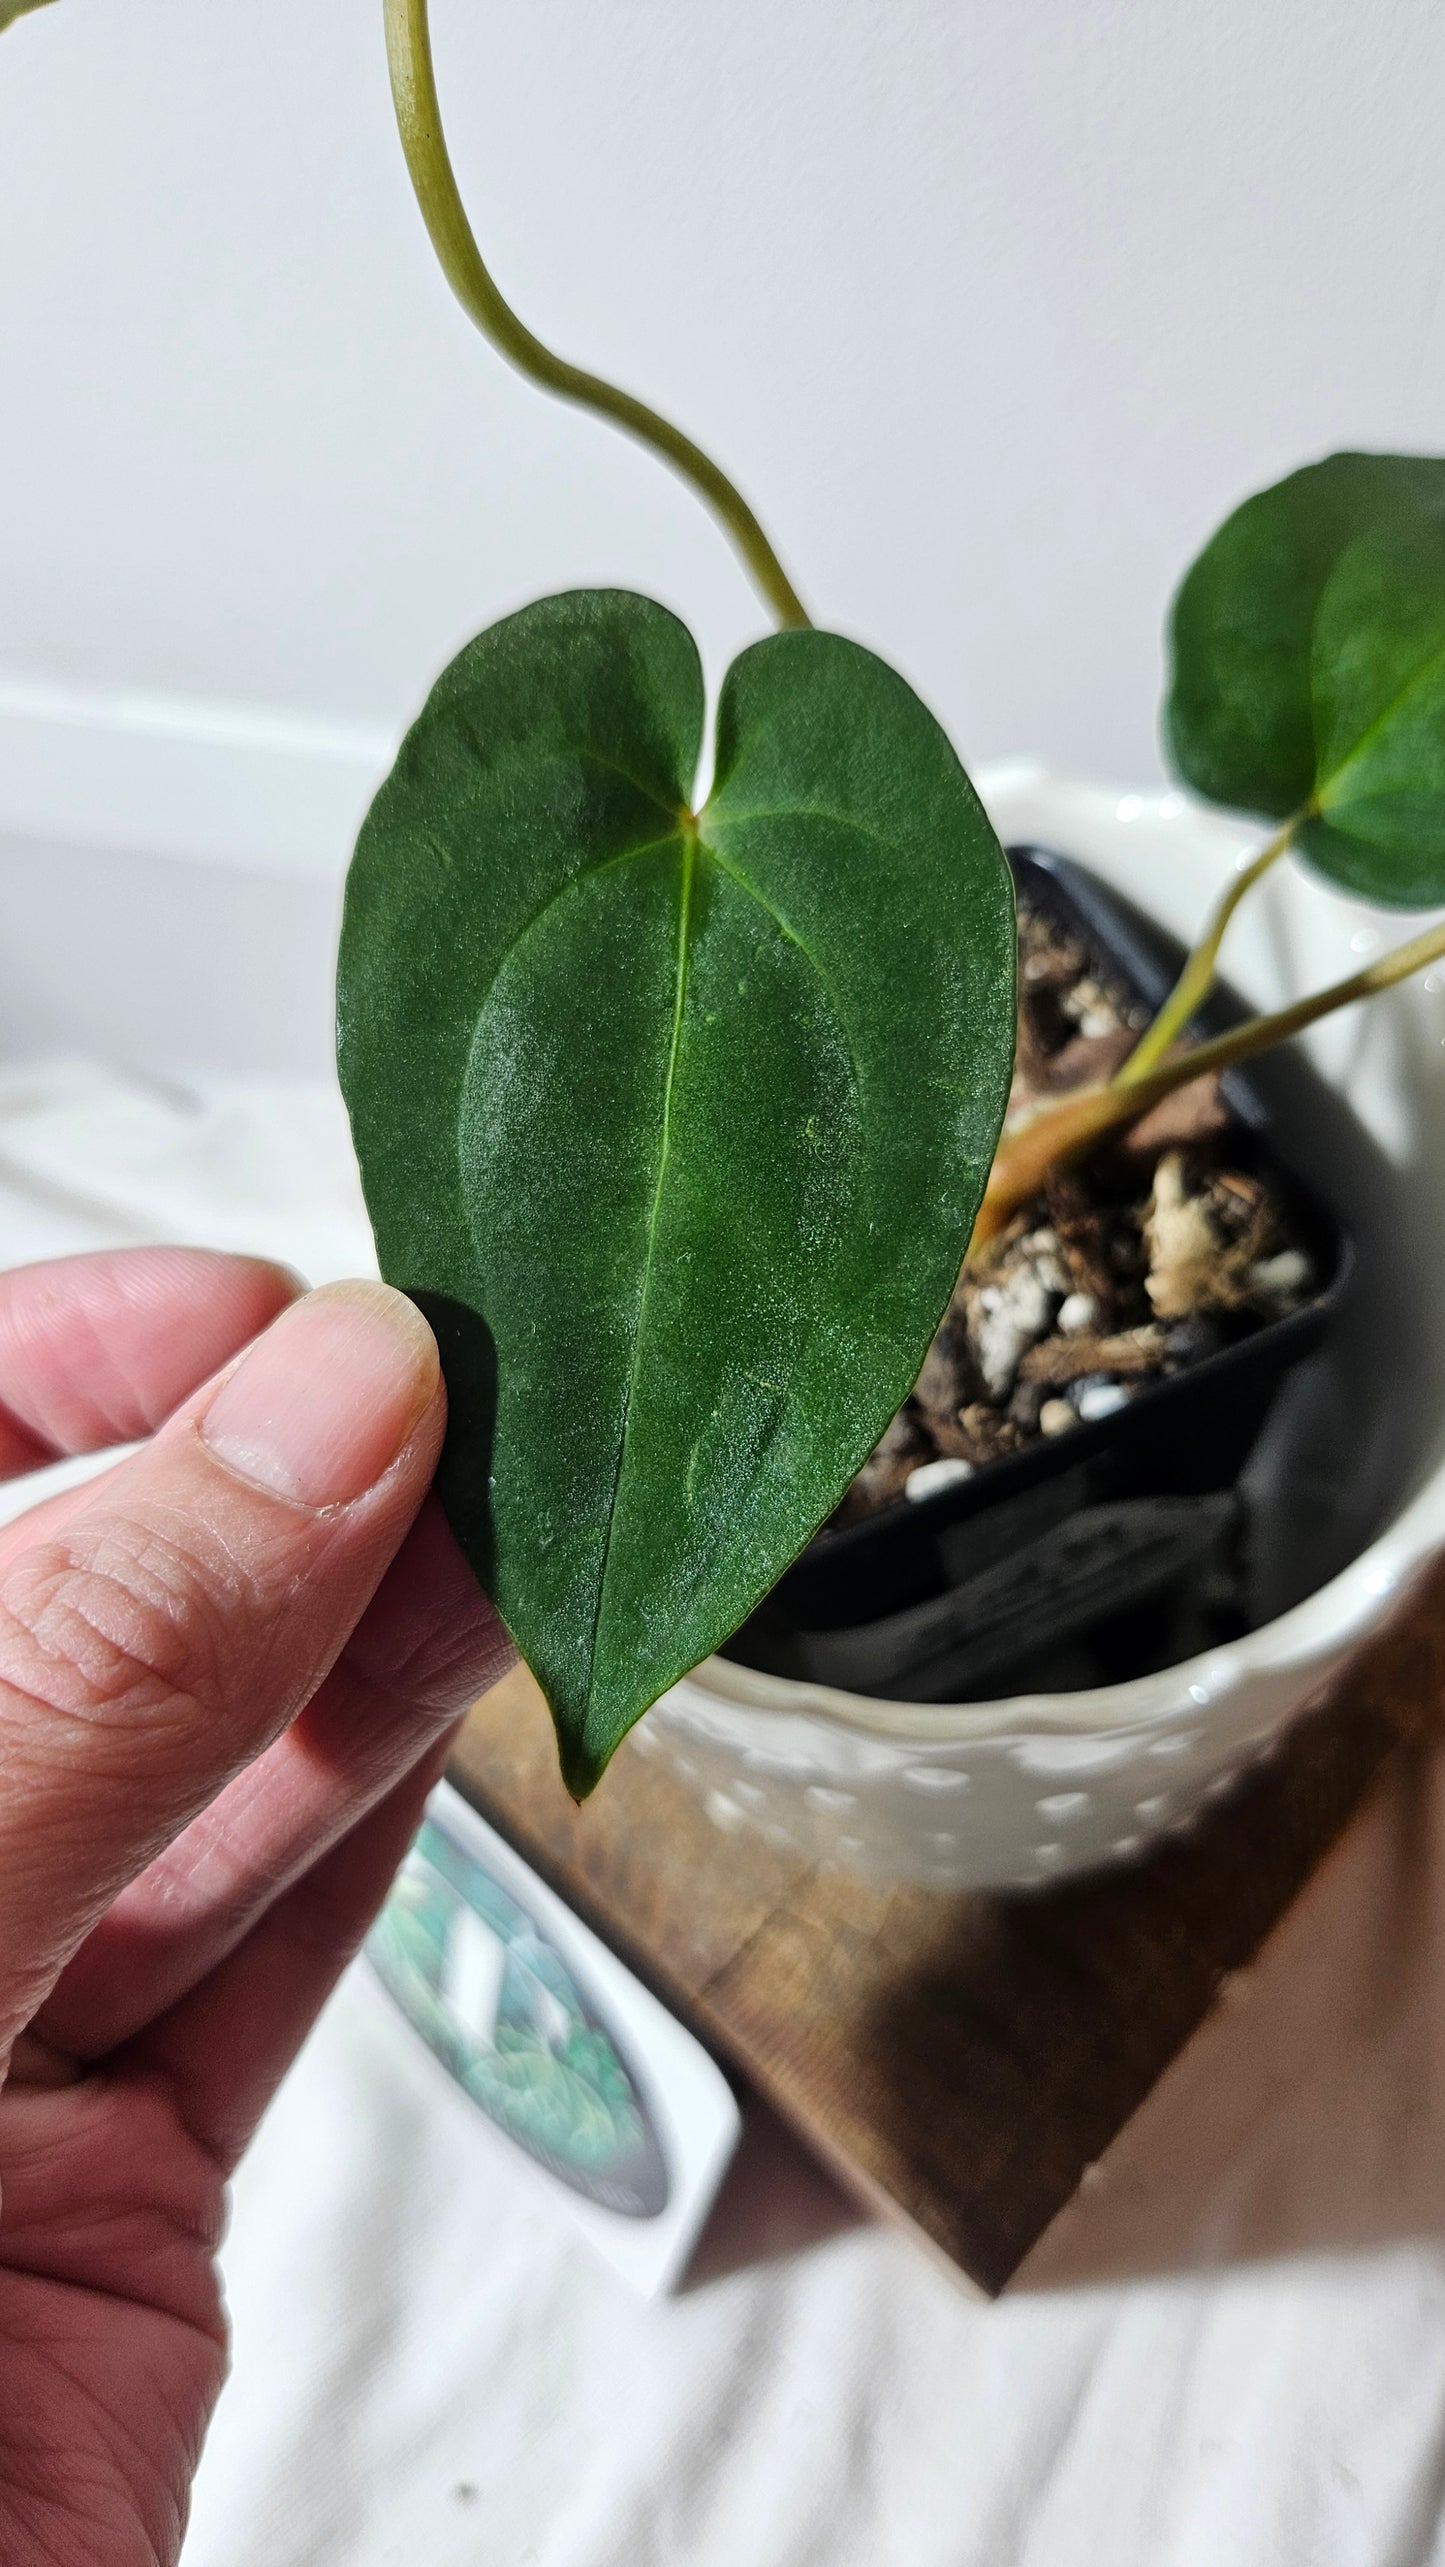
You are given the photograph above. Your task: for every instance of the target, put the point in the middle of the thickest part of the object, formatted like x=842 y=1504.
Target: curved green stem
x=1059 y=1133
x=1198 y=971
x=418 y=114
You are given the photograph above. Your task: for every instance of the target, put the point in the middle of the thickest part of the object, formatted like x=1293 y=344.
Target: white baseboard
x=162 y=775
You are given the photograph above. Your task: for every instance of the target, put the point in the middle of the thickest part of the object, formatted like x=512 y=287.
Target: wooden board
x=959 y=2060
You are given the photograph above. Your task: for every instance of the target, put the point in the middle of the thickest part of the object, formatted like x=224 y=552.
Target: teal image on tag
x=493 y=1998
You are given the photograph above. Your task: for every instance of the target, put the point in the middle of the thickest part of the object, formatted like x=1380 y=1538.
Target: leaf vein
x=495 y=758
x=584 y=873
x=824 y=981
x=724 y=818
x=1430 y=666
x=675 y=812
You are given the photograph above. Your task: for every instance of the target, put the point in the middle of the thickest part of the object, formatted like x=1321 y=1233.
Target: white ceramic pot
x=1349 y=1484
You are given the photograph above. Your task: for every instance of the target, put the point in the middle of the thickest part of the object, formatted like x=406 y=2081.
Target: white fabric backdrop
x=429 y=2367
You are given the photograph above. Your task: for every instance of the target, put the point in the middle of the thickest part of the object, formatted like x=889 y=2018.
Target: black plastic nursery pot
x=1101 y=1553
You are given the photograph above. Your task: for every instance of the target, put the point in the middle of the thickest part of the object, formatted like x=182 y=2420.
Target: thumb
x=171 y=1627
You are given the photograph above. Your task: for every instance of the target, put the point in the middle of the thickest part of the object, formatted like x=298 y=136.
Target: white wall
x=992 y=306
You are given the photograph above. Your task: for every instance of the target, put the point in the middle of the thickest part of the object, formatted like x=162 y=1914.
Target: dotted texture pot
x=1347 y=1487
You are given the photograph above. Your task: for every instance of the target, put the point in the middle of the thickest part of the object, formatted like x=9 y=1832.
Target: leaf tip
x=589 y=1734
x=582 y=1767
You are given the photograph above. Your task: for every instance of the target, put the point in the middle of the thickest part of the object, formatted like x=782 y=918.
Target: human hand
x=229 y=1671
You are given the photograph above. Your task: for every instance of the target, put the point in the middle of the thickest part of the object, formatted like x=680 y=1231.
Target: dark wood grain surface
x=960 y=2061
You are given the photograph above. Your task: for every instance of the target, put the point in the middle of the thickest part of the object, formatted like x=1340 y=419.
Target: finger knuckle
x=110 y=1630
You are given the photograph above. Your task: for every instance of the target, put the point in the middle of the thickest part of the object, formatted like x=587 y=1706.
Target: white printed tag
x=566 y=2053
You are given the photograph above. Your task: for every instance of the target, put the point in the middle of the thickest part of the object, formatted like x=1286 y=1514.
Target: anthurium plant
x=678 y=1115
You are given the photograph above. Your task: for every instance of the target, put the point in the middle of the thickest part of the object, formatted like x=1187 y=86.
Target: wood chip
x=1067 y=1359
x=1192 y=1114
x=1090 y=1060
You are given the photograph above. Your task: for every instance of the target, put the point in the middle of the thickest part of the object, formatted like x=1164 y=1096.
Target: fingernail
x=322 y=1404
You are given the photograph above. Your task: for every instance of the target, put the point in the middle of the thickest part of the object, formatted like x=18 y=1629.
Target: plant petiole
x=1060 y=1133
x=418 y=116
x=1198 y=971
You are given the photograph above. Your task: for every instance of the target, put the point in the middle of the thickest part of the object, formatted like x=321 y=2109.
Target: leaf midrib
x=692 y=845
x=684 y=945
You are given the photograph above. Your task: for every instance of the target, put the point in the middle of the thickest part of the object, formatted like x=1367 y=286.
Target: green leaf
x=1379 y=713
x=10 y=10
x=675 y=1127
x=1239 y=719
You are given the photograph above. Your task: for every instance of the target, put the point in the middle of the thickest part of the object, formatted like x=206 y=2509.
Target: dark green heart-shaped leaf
x=1379 y=713
x=675 y=1126
x=1239 y=719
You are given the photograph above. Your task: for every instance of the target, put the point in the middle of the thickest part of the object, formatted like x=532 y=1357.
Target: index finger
x=99 y=1350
